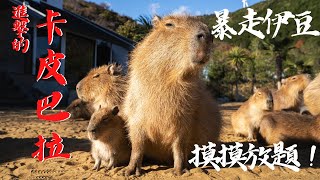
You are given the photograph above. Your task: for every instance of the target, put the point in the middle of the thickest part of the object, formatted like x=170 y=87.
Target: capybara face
x=75 y=108
x=263 y=99
x=296 y=83
x=185 y=37
x=79 y=109
x=97 y=82
x=99 y=121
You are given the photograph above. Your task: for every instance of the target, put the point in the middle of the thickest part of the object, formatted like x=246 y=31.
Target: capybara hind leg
x=178 y=156
x=136 y=156
x=185 y=161
x=250 y=134
x=111 y=163
x=97 y=164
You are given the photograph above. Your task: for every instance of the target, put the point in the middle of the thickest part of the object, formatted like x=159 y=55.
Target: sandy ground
x=19 y=130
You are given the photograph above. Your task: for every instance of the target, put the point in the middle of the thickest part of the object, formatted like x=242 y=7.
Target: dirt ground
x=19 y=130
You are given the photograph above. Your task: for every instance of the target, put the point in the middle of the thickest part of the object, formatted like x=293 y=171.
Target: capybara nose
x=78 y=85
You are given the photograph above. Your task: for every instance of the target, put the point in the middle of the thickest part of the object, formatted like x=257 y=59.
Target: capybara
x=290 y=127
x=290 y=94
x=167 y=105
x=103 y=86
x=109 y=138
x=80 y=109
x=311 y=96
x=245 y=121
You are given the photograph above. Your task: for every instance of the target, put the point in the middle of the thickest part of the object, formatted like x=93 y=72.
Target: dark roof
x=81 y=25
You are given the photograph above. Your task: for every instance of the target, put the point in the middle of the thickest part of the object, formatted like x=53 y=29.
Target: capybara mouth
x=199 y=62
x=81 y=97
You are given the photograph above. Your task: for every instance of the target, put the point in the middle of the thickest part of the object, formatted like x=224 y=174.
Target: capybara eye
x=97 y=75
x=294 y=78
x=105 y=119
x=200 y=36
x=169 y=25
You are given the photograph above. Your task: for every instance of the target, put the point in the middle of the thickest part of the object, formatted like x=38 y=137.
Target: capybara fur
x=311 y=96
x=245 y=121
x=290 y=94
x=80 y=109
x=103 y=86
x=289 y=127
x=167 y=106
x=109 y=138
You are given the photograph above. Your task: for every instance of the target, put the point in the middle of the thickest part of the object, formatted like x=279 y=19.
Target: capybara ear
x=255 y=89
x=112 y=69
x=115 y=110
x=155 y=20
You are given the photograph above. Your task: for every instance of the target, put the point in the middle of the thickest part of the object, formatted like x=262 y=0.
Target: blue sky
x=134 y=8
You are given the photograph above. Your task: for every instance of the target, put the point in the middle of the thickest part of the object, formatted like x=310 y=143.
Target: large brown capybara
x=311 y=96
x=289 y=127
x=290 y=94
x=167 y=106
x=245 y=121
x=109 y=138
x=103 y=86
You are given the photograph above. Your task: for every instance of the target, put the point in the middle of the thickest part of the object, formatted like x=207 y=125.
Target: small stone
x=11 y=166
x=85 y=168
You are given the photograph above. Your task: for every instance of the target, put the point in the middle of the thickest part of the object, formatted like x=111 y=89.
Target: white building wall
x=120 y=55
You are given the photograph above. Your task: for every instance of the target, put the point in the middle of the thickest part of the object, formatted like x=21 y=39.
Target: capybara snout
x=203 y=40
x=92 y=131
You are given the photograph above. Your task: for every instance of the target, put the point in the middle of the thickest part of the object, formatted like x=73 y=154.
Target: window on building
x=42 y=46
x=103 y=53
x=79 y=58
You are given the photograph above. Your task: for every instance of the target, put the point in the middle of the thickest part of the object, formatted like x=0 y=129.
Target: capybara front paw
x=177 y=171
x=96 y=167
x=250 y=139
x=110 y=167
x=129 y=171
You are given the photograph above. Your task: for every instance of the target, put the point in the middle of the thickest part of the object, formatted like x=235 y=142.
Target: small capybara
x=103 y=86
x=245 y=121
x=311 y=96
x=290 y=94
x=167 y=105
x=109 y=138
x=80 y=109
x=290 y=127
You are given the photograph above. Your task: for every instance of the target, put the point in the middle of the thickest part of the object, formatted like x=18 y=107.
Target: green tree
x=145 y=21
x=237 y=57
x=132 y=30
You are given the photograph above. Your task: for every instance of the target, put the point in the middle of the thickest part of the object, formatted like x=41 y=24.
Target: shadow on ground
x=15 y=148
